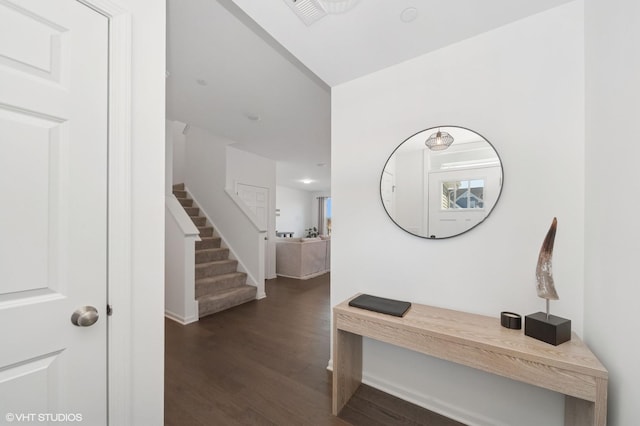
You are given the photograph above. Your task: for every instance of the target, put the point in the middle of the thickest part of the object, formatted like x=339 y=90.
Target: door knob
x=85 y=316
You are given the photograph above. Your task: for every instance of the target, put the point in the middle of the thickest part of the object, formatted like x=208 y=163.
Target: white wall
x=522 y=87
x=298 y=209
x=251 y=169
x=168 y=157
x=147 y=221
x=205 y=177
x=295 y=210
x=181 y=235
x=175 y=151
x=178 y=151
x=612 y=229
x=410 y=191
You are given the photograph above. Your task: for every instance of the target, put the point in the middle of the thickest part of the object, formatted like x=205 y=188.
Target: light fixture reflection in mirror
x=444 y=192
x=439 y=141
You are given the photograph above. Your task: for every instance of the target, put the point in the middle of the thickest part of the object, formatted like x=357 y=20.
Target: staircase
x=219 y=285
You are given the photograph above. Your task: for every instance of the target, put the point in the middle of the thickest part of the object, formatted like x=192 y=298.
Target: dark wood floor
x=264 y=363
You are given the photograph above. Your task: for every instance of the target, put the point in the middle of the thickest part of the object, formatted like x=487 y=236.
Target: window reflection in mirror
x=440 y=194
x=463 y=194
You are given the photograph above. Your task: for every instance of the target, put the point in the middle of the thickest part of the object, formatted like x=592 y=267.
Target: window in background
x=324 y=215
x=463 y=194
x=327 y=209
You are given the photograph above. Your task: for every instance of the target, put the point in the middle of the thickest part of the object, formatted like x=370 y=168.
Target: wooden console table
x=476 y=341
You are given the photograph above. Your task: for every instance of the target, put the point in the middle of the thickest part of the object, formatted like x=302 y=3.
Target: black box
x=554 y=330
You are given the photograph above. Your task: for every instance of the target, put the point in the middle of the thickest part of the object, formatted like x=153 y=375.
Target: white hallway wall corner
x=500 y=84
x=612 y=248
x=143 y=367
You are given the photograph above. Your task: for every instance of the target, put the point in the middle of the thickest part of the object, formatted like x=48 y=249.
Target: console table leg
x=578 y=412
x=601 y=401
x=347 y=367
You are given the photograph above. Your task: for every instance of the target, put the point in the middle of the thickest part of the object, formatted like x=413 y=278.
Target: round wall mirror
x=441 y=182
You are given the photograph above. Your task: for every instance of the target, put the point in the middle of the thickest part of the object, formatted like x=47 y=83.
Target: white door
x=387 y=189
x=256 y=198
x=53 y=216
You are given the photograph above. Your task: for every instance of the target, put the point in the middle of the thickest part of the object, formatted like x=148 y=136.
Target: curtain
x=321 y=216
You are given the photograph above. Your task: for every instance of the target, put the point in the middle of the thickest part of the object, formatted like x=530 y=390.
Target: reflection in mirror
x=441 y=192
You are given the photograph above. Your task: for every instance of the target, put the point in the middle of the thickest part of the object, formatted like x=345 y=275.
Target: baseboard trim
x=306 y=277
x=180 y=319
x=426 y=401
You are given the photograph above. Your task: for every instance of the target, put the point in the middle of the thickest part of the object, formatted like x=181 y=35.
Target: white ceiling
x=257 y=58
x=246 y=76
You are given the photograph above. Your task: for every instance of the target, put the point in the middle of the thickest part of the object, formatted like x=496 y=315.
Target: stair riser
x=212 y=256
x=206 y=231
x=205 y=271
x=208 y=243
x=211 y=307
x=180 y=194
x=178 y=187
x=199 y=220
x=186 y=202
x=208 y=287
x=192 y=211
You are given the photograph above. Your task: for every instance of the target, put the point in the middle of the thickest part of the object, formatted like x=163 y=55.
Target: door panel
x=256 y=198
x=32 y=42
x=53 y=222
x=25 y=159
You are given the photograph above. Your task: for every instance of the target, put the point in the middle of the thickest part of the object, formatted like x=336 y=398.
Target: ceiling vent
x=309 y=11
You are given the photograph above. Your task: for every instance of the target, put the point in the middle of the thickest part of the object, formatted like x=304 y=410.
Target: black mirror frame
x=463 y=232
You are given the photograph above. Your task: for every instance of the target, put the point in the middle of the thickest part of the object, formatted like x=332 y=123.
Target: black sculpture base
x=554 y=330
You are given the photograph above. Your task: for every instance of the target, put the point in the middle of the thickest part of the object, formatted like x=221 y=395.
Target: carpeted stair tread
x=208 y=243
x=199 y=220
x=192 y=211
x=219 y=267
x=205 y=231
x=179 y=186
x=211 y=255
x=180 y=194
x=219 y=301
x=186 y=202
x=218 y=283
